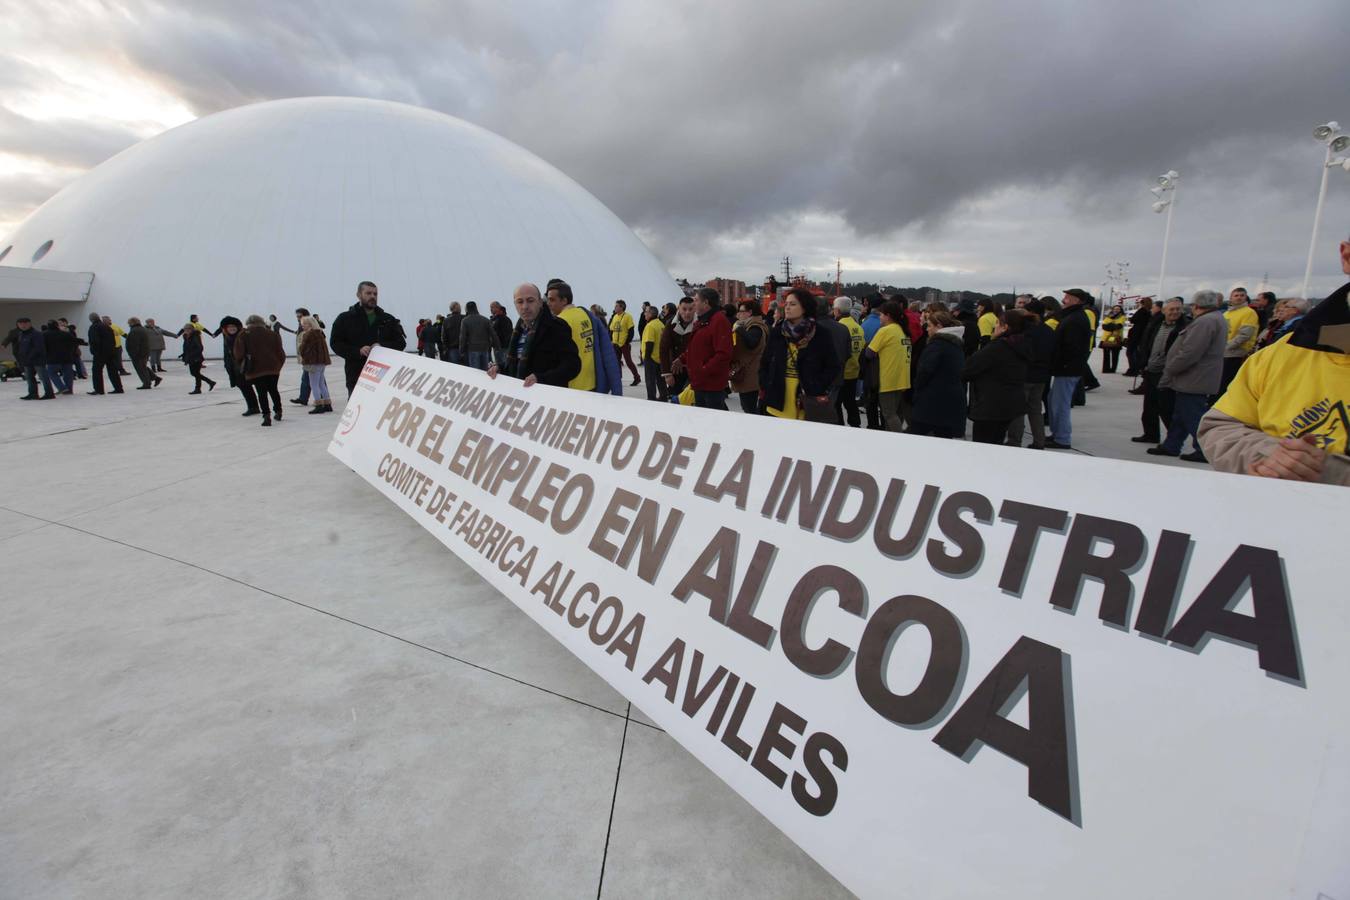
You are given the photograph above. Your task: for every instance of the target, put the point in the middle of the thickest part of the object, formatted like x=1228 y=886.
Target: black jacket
x=998 y=373
x=101 y=341
x=1139 y=325
x=1073 y=343
x=971 y=338
x=842 y=340
x=353 y=330
x=1039 y=341
x=31 y=349
x=550 y=355
x=939 y=399
x=476 y=335
x=192 y=346
x=501 y=324
x=450 y=334
x=63 y=348
x=818 y=366
x=1151 y=332
x=138 y=342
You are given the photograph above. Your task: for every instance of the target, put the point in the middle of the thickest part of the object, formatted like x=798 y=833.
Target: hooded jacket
x=353 y=330
x=939 y=399
x=998 y=372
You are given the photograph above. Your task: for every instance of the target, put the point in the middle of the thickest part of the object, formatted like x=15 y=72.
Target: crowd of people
x=1254 y=385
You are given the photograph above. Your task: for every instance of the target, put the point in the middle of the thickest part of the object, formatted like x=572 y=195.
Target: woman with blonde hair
x=312 y=348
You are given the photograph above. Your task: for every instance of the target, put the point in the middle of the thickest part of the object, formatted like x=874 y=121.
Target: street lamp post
x=1329 y=134
x=1166 y=194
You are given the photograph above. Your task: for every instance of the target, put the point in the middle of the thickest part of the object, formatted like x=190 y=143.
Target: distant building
x=731 y=290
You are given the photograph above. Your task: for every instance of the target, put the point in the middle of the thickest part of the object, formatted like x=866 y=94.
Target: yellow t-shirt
x=198 y=326
x=583 y=335
x=790 y=409
x=117 y=335
x=1289 y=391
x=651 y=334
x=987 y=323
x=620 y=327
x=1092 y=328
x=1240 y=317
x=856 y=339
x=891 y=345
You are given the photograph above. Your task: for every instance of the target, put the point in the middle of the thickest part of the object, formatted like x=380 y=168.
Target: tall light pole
x=1329 y=134
x=1166 y=194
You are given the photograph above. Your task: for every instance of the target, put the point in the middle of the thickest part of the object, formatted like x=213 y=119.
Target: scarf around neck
x=799 y=334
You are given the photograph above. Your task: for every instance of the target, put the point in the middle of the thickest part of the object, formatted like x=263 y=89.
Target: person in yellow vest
x=988 y=320
x=652 y=327
x=1113 y=338
x=583 y=333
x=621 y=333
x=847 y=404
x=118 y=334
x=1285 y=414
x=1243 y=328
x=890 y=348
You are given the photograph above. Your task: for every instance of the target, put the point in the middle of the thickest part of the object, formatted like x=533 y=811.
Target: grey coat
x=476 y=335
x=1195 y=359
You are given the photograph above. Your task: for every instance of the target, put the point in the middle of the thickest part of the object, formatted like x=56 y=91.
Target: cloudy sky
x=977 y=145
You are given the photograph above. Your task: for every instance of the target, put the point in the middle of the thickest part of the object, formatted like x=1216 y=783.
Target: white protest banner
x=943 y=669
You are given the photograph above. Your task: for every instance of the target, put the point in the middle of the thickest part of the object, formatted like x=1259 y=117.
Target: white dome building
x=291 y=203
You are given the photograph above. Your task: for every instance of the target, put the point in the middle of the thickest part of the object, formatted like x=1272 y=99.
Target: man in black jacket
x=364 y=326
x=104 y=354
x=1158 y=336
x=30 y=351
x=501 y=324
x=541 y=349
x=1073 y=346
x=62 y=350
x=450 y=335
x=1139 y=322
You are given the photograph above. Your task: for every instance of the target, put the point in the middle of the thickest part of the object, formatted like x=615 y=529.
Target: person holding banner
x=541 y=349
x=1284 y=415
x=363 y=326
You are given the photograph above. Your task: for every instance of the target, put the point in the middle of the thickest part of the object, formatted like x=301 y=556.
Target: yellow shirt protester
x=620 y=327
x=856 y=339
x=1243 y=317
x=583 y=335
x=892 y=347
x=651 y=334
x=987 y=323
x=1293 y=392
x=117 y=335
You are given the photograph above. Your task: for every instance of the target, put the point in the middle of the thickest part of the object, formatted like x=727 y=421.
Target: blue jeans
x=62 y=375
x=1186 y=415
x=32 y=374
x=304 y=385
x=479 y=359
x=501 y=359
x=454 y=357
x=1061 y=405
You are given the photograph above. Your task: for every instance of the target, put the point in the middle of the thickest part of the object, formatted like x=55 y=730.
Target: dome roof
x=290 y=203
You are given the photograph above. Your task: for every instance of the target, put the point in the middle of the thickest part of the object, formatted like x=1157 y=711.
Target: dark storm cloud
x=698 y=121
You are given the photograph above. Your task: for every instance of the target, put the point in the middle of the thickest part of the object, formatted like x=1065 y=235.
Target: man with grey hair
x=1286 y=315
x=1153 y=345
x=1192 y=371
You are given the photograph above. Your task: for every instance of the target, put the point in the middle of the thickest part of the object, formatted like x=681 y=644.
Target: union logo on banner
x=374 y=371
